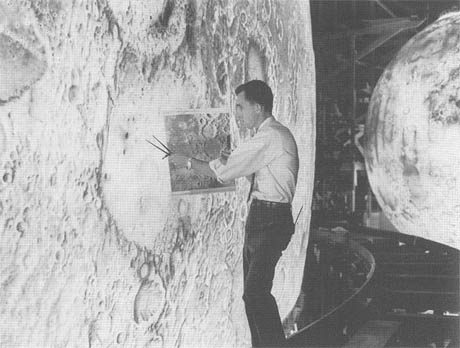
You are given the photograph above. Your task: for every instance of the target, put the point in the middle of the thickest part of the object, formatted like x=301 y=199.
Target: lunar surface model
x=95 y=249
x=412 y=145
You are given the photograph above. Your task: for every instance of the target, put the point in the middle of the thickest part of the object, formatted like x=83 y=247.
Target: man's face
x=246 y=112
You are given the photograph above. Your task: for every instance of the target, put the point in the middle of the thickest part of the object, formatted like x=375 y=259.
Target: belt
x=268 y=204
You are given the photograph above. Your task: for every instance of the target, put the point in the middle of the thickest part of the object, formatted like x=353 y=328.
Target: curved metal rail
x=333 y=322
x=404 y=285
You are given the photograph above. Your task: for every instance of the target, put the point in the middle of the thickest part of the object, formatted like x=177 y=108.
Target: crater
x=22 y=61
x=256 y=63
x=150 y=301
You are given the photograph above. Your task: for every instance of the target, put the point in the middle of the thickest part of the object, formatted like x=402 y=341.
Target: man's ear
x=259 y=108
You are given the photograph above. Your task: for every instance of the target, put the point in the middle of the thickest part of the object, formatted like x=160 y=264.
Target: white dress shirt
x=272 y=155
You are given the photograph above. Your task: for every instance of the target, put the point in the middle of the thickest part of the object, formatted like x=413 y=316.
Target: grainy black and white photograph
x=229 y=173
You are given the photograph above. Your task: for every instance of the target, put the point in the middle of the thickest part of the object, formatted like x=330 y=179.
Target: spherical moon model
x=412 y=148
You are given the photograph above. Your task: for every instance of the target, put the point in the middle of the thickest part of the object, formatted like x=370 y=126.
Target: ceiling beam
x=375 y=27
x=377 y=43
x=387 y=36
x=404 y=7
x=370 y=48
x=387 y=10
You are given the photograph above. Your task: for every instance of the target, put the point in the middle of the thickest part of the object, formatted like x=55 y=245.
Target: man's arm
x=247 y=159
x=200 y=166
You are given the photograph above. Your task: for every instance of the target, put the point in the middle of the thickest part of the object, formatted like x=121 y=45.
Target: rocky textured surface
x=95 y=251
x=413 y=133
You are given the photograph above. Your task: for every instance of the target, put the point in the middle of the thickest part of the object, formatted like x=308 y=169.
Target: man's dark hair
x=257 y=91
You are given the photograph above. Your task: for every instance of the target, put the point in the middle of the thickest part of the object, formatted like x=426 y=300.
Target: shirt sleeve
x=247 y=158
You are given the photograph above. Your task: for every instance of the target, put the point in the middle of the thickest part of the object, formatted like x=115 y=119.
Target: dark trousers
x=268 y=232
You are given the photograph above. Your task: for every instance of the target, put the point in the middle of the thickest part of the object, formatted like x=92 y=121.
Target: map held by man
x=201 y=135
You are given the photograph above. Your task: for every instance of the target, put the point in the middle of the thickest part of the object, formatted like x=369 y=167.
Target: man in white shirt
x=270 y=159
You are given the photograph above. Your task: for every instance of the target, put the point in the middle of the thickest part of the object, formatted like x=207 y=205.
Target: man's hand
x=179 y=160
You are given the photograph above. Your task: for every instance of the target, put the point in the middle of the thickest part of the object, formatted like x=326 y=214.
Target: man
x=270 y=160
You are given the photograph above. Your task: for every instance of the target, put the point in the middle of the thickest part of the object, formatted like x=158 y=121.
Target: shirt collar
x=264 y=123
